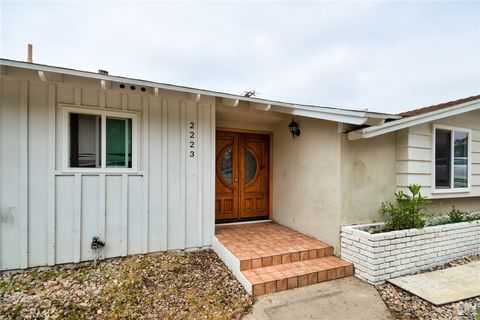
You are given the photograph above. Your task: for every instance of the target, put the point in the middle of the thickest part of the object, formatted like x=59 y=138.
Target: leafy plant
x=455 y=215
x=409 y=211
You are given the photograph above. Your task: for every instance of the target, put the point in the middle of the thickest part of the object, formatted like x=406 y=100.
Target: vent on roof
x=30 y=53
x=104 y=72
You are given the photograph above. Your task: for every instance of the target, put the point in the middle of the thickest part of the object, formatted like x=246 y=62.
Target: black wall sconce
x=294 y=129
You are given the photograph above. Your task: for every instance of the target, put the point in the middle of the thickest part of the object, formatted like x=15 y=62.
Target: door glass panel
x=250 y=166
x=226 y=165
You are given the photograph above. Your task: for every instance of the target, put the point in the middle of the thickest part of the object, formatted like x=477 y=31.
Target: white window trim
x=452 y=190
x=104 y=114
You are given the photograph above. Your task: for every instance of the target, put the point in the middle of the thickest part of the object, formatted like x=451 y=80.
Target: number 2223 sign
x=191 y=141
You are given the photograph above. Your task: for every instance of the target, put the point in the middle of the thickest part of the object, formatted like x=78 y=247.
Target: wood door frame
x=270 y=159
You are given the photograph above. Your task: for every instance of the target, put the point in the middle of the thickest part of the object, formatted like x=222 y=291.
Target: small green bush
x=455 y=215
x=409 y=211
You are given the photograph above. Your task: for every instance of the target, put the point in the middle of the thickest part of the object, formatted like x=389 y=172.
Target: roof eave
x=317 y=112
x=414 y=120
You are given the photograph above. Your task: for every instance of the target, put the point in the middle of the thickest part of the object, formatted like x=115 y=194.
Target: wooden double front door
x=242 y=178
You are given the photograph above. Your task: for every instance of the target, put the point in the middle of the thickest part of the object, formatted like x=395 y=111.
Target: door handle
x=236 y=180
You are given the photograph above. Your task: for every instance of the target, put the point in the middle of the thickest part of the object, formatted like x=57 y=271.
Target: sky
x=380 y=56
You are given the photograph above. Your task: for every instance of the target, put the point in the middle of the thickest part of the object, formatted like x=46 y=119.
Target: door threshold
x=242 y=222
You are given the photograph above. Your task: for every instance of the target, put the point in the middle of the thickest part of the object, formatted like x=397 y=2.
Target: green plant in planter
x=409 y=211
x=455 y=215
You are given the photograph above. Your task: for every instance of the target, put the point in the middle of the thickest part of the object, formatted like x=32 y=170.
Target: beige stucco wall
x=367 y=177
x=322 y=180
x=306 y=179
x=443 y=206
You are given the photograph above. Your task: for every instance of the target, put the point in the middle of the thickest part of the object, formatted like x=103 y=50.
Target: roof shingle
x=436 y=107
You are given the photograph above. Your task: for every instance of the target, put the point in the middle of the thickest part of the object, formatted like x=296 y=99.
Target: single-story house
x=147 y=166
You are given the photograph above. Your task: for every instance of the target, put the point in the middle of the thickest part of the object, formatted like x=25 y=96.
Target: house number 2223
x=191 y=141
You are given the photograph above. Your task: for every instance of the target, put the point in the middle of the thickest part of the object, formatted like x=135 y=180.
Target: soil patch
x=172 y=285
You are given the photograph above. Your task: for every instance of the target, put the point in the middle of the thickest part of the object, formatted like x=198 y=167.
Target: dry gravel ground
x=406 y=306
x=173 y=285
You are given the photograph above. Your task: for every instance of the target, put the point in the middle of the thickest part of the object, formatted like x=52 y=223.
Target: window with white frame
x=452 y=163
x=100 y=140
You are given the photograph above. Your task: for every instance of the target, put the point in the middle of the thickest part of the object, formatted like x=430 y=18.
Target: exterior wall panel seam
x=24 y=196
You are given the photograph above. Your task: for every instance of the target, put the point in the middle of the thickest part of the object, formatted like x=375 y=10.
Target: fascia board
x=414 y=120
x=326 y=113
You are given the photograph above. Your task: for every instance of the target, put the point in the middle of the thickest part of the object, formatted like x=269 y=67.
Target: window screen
x=85 y=141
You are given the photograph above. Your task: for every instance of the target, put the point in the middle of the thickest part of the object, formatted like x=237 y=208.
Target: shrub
x=455 y=215
x=409 y=211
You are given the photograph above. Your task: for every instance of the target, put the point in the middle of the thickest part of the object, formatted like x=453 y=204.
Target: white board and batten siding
x=415 y=155
x=49 y=215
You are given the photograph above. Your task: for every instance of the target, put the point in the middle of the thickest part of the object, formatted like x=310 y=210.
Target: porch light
x=294 y=129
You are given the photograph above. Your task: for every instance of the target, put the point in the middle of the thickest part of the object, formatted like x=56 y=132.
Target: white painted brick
x=369 y=255
x=411 y=254
x=376 y=260
x=385 y=242
x=389 y=236
x=401 y=267
x=378 y=237
x=410 y=244
x=378 y=250
x=379 y=257
x=384 y=277
x=373 y=244
x=390 y=258
x=372 y=266
x=364 y=241
x=421 y=263
x=405 y=239
x=422 y=237
x=411 y=232
x=397 y=240
x=390 y=270
x=397 y=274
x=395 y=263
x=384 y=254
x=390 y=248
x=385 y=265
x=400 y=233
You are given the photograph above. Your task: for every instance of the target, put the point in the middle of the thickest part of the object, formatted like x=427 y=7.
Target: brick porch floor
x=272 y=257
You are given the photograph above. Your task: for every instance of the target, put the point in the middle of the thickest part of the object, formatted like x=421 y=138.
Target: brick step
x=259 y=245
x=296 y=274
x=276 y=256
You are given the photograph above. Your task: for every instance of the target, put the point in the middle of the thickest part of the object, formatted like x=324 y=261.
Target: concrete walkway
x=444 y=286
x=347 y=298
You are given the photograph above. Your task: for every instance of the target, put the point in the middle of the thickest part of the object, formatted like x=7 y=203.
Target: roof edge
x=414 y=120
x=320 y=112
